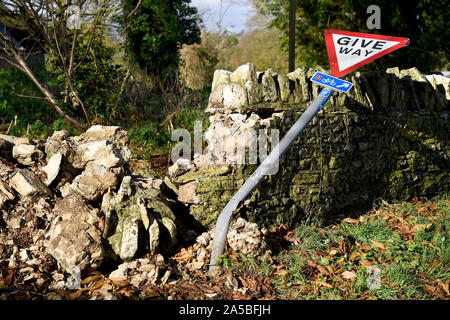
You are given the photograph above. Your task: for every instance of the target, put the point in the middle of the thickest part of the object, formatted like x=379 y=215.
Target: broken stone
x=120 y=273
x=102 y=152
x=220 y=76
x=75 y=236
x=180 y=166
x=52 y=168
x=186 y=193
x=269 y=88
x=26 y=183
x=348 y=275
x=5 y=193
x=94 y=181
x=111 y=133
x=245 y=237
x=14 y=222
x=137 y=220
x=26 y=154
x=59 y=143
x=227 y=96
x=12 y=141
x=204 y=238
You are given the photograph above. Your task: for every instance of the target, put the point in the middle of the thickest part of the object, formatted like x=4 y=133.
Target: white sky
x=234 y=18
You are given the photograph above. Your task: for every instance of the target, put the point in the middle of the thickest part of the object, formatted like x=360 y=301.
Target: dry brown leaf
x=120 y=283
x=9 y=279
x=323 y=270
x=93 y=278
x=433 y=208
x=420 y=226
x=365 y=263
x=355 y=256
x=98 y=284
x=243 y=281
x=445 y=285
x=184 y=256
x=378 y=245
x=325 y=284
x=312 y=263
x=422 y=210
x=364 y=248
x=351 y=221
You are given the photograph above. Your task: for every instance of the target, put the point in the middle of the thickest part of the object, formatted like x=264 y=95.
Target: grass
x=395 y=251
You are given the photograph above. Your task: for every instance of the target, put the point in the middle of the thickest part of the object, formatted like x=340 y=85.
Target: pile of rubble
x=71 y=206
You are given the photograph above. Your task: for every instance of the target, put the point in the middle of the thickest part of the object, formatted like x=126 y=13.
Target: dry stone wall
x=388 y=138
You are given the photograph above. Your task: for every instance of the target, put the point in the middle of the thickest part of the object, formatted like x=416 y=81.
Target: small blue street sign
x=331 y=82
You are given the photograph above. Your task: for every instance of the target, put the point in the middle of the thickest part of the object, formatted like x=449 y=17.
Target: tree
x=425 y=22
x=158 y=31
x=77 y=53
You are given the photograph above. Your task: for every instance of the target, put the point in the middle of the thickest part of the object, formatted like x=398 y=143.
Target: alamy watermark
x=374 y=20
x=73 y=17
x=247 y=147
x=374 y=278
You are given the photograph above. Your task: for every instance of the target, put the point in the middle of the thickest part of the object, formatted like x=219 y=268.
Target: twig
x=31 y=97
x=9 y=127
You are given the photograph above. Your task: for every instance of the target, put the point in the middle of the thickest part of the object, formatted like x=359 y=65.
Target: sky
x=234 y=18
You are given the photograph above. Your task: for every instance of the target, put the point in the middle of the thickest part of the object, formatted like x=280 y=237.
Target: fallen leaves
x=351 y=221
x=378 y=245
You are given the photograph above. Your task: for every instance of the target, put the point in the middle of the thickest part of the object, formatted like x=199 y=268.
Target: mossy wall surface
x=388 y=138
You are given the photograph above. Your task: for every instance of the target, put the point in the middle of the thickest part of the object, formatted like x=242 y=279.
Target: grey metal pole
x=292 y=9
x=264 y=168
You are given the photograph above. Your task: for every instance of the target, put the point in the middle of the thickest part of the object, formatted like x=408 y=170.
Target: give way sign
x=348 y=50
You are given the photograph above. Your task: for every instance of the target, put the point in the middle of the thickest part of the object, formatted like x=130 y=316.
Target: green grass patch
x=396 y=251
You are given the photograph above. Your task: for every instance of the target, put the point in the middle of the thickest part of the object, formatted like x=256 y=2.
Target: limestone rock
x=94 y=181
x=186 y=193
x=52 y=168
x=440 y=83
x=75 y=236
x=12 y=141
x=180 y=166
x=5 y=193
x=246 y=238
x=101 y=153
x=145 y=271
x=220 y=76
x=26 y=154
x=269 y=87
x=111 y=133
x=26 y=183
x=230 y=96
x=137 y=221
x=59 y=143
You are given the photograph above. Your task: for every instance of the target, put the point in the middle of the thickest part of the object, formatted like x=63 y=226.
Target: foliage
x=148 y=139
x=198 y=62
x=423 y=21
x=96 y=80
x=229 y=51
x=12 y=83
x=261 y=47
x=158 y=30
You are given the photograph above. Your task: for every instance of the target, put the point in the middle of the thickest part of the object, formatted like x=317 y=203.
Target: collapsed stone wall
x=387 y=138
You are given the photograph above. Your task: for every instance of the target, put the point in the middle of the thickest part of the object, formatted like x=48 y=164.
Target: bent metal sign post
x=347 y=51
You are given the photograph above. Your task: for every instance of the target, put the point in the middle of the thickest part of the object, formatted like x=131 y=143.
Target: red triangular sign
x=348 y=51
